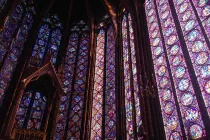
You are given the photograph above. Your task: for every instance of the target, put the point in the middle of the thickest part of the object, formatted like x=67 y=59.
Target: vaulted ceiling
x=82 y=9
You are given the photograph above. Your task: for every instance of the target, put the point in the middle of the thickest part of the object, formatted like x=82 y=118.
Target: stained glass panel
x=196 y=45
x=11 y=25
x=55 y=44
x=70 y=64
x=41 y=43
x=203 y=9
x=37 y=112
x=71 y=115
x=13 y=46
x=23 y=108
x=48 y=41
x=134 y=72
x=31 y=110
x=97 y=107
x=198 y=52
x=127 y=79
x=166 y=93
x=110 y=101
x=182 y=80
x=78 y=94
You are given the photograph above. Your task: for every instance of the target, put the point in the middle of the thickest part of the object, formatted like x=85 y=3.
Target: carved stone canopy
x=46 y=69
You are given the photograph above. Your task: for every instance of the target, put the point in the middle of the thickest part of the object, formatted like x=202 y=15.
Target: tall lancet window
x=12 y=39
x=71 y=111
x=103 y=123
x=31 y=111
x=48 y=41
x=202 y=7
x=131 y=86
x=198 y=47
x=179 y=86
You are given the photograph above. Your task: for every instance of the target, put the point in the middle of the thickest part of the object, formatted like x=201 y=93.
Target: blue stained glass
x=36 y=112
x=76 y=62
x=47 y=39
x=19 y=23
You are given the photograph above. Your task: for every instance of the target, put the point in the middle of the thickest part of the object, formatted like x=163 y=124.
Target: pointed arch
x=12 y=39
x=71 y=113
x=48 y=41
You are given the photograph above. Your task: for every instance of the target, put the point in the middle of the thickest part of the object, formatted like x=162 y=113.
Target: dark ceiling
x=97 y=9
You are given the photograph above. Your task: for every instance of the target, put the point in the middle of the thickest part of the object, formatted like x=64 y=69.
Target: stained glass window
x=70 y=117
x=169 y=59
x=104 y=102
x=197 y=47
x=97 y=111
x=203 y=10
x=110 y=98
x=130 y=77
x=166 y=94
x=48 y=41
x=12 y=39
x=33 y=104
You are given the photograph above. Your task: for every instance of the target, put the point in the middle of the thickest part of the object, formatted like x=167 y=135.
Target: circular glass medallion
x=159 y=61
x=205 y=71
x=171 y=40
x=157 y=51
x=187 y=99
x=163 y=82
x=156 y=41
x=169 y=31
x=166 y=95
x=161 y=70
x=183 y=84
x=177 y=60
x=64 y=98
x=154 y=34
x=175 y=136
x=206 y=11
x=72 y=49
x=201 y=3
x=186 y=15
x=193 y=35
x=174 y=50
x=172 y=123
x=202 y=58
x=196 y=131
x=180 y=71
x=190 y=24
x=179 y=2
x=207 y=87
x=191 y=114
x=169 y=108
x=183 y=7
x=165 y=15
